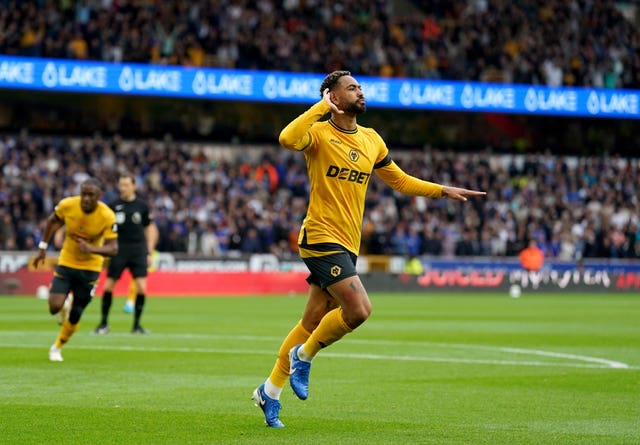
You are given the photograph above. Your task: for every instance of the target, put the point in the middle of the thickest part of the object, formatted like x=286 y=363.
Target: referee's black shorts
x=130 y=256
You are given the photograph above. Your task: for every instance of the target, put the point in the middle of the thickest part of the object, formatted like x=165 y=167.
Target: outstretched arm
x=460 y=194
x=399 y=180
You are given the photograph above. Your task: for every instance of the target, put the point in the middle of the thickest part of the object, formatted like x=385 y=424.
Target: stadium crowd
x=225 y=201
x=552 y=42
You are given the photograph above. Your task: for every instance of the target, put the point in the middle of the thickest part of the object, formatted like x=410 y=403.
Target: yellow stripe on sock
x=280 y=372
x=66 y=331
x=332 y=328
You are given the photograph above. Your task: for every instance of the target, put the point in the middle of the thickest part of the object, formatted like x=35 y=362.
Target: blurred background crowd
x=221 y=202
x=222 y=197
x=551 y=42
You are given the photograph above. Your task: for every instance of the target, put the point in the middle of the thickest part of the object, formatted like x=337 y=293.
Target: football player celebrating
x=340 y=156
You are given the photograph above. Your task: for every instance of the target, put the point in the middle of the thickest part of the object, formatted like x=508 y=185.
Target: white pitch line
x=583 y=358
x=608 y=363
x=468 y=360
x=594 y=362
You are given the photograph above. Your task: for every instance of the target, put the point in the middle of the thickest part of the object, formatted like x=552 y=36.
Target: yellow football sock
x=133 y=292
x=331 y=329
x=280 y=372
x=66 y=331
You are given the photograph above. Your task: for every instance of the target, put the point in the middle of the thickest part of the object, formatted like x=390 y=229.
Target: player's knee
x=354 y=317
x=56 y=301
x=363 y=313
x=108 y=288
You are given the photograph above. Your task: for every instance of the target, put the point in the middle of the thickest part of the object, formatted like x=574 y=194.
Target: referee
x=137 y=238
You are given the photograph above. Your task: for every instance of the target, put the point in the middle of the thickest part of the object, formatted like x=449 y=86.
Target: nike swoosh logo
x=293 y=370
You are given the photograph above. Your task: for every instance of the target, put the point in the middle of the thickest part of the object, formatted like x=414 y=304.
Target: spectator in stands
x=569 y=43
x=7 y=233
x=176 y=239
x=268 y=173
x=398 y=241
x=531 y=257
x=209 y=243
x=466 y=245
x=413 y=266
x=587 y=197
x=431 y=241
x=251 y=242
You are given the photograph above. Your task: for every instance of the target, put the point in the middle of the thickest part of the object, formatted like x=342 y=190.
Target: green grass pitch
x=425 y=368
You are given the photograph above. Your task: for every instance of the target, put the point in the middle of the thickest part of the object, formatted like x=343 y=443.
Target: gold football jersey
x=340 y=163
x=93 y=227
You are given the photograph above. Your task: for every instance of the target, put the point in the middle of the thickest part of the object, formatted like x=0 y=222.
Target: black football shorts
x=132 y=257
x=328 y=263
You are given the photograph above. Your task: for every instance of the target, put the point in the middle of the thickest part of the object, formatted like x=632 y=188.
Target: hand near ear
x=326 y=96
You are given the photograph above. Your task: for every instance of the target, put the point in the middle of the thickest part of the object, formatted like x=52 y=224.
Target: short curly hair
x=92 y=182
x=331 y=80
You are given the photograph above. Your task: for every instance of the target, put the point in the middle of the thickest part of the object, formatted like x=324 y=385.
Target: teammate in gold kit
x=341 y=156
x=91 y=234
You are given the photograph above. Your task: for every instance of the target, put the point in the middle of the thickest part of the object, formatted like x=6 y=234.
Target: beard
x=356 y=108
